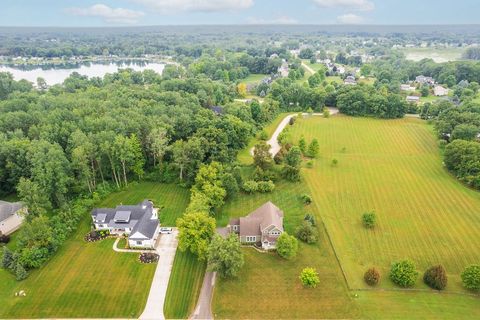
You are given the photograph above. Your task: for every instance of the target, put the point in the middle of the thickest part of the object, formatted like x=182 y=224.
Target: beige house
x=262 y=226
x=440 y=91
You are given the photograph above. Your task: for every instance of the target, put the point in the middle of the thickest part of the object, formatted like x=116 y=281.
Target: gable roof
x=7 y=209
x=263 y=217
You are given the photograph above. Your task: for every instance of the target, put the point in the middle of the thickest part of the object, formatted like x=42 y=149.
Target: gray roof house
x=262 y=226
x=139 y=222
x=10 y=220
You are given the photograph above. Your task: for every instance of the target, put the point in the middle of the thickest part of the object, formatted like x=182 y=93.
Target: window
x=235 y=228
x=139 y=242
x=251 y=238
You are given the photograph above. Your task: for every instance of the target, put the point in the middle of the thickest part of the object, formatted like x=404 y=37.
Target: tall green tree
x=225 y=255
x=195 y=232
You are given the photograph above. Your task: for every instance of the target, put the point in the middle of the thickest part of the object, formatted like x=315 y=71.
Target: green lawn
x=184 y=286
x=254 y=78
x=244 y=156
x=394 y=168
x=171 y=198
x=90 y=280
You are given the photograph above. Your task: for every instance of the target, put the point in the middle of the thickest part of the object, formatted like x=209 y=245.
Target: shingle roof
x=7 y=209
x=261 y=218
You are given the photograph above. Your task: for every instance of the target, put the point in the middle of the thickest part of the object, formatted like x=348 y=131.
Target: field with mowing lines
x=90 y=280
x=394 y=168
x=184 y=286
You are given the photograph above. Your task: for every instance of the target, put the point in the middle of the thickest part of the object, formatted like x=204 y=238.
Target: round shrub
x=307 y=233
x=369 y=219
x=436 y=277
x=306 y=198
x=403 y=273
x=265 y=186
x=250 y=186
x=309 y=277
x=372 y=277
x=471 y=277
x=287 y=246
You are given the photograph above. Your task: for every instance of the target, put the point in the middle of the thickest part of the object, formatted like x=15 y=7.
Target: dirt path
x=308 y=68
x=273 y=142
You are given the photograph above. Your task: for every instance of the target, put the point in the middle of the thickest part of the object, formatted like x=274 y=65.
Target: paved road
x=273 y=142
x=166 y=248
x=203 y=310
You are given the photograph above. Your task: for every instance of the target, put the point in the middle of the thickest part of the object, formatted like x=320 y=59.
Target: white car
x=166 y=230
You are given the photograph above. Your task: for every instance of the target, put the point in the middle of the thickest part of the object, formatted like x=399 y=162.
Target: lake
x=56 y=75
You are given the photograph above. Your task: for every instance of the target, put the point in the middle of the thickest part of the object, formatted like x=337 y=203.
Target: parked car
x=166 y=230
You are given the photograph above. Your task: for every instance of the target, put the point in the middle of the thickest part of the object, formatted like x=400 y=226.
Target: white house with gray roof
x=140 y=222
x=262 y=226
x=11 y=216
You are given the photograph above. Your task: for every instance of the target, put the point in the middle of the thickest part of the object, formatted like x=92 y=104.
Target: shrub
x=436 y=277
x=372 y=277
x=310 y=218
x=369 y=219
x=310 y=164
x=250 y=186
x=287 y=246
x=309 y=277
x=8 y=259
x=307 y=233
x=265 y=186
x=263 y=135
x=291 y=121
x=4 y=238
x=148 y=257
x=20 y=272
x=471 y=277
x=403 y=273
x=306 y=198
x=334 y=162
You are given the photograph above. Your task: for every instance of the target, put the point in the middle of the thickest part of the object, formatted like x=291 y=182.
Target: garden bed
x=148 y=257
x=96 y=235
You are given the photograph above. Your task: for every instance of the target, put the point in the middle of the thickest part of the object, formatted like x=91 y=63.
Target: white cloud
x=362 y=5
x=350 y=18
x=110 y=15
x=276 y=20
x=175 y=6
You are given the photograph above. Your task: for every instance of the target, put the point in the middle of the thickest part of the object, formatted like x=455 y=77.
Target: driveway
x=203 y=310
x=166 y=248
x=273 y=142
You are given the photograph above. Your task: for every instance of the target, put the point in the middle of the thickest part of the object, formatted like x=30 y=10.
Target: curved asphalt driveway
x=273 y=142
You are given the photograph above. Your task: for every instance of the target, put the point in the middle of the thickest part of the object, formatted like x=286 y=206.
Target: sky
x=97 y=13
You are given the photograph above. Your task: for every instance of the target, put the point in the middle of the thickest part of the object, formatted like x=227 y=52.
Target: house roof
x=139 y=218
x=7 y=209
x=263 y=217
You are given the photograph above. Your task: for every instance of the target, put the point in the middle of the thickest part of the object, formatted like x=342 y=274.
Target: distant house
x=262 y=226
x=10 y=217
x=425 y=80
x=283 y=70
x=139 y=222
x=407 y=87
x=218 y=110
x=440 y=91
x=350 y=80
x=413 y=99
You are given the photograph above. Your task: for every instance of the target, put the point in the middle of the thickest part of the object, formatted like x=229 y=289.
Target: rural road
x=275 y=146
x=203 y=310
x=308 y=68
x=166 y=248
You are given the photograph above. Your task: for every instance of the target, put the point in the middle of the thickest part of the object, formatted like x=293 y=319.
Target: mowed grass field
x=90 y=280
x=184 y=286
x=394 y=168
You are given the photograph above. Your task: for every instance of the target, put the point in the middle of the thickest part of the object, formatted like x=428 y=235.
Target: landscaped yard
x=254 y=78
x=90 y=279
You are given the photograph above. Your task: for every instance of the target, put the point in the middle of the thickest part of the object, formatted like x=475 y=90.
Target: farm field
x=394 y=168
x=438 y=55
x=95 y=281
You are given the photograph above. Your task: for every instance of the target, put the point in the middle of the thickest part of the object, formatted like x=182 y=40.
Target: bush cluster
x=252 y=186
x=436 y=277
x=403 y=273
x=96 y=235
x=148 y=257
x=471 y=277
x=372 y=277
x=307 y=232
x=369 y=219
